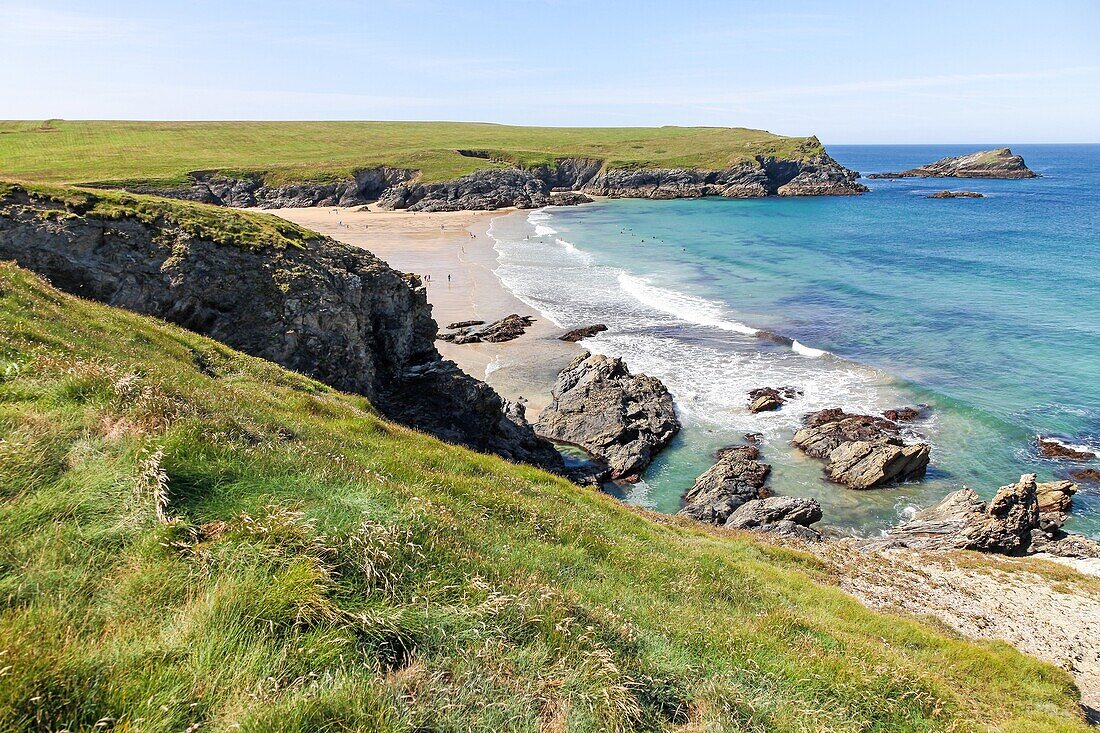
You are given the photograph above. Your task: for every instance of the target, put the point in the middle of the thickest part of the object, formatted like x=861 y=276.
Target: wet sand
x=438 y=245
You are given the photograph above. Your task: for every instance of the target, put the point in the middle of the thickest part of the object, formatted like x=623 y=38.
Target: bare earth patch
x=1042 y=609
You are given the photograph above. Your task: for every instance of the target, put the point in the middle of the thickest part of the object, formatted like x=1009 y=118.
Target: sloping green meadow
x=193 y=539
x=102 y=151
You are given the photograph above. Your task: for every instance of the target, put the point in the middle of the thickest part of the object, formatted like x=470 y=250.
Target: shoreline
x=456 y=244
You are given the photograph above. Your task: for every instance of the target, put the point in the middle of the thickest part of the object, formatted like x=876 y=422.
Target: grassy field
x=82 y=152
x=236 y=228
x=192 y=539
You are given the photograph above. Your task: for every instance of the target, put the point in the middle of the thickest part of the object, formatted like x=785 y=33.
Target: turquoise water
x=986 y=309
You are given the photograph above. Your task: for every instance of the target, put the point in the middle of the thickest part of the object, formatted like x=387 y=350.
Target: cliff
x=271 y=290
x=997 y=163
x=815 y=174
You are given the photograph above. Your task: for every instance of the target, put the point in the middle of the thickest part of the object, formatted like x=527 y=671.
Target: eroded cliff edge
x=271 y=290
x=500 y=185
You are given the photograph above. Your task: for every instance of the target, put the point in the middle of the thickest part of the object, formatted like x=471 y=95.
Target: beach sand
x=439 y=244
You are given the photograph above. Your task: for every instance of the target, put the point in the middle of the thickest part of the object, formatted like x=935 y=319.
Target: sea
x=985 y=310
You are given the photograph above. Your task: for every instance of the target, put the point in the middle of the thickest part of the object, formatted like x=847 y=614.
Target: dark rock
x=506 y=329
x=465 y=324
x=753 y=438
x=862 y=451
x=1049 y=448
x=787 y=516
x=578 y=334
x=774 y=337
x=212 y=187
x=771 y=398
x=904 y=414
x=332 y=312
x=955 y=195
x=567 y=182
x=622 y=418
x=998 y=163
x=736 y=478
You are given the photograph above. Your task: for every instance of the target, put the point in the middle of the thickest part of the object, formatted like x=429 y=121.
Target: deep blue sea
x=987 y=310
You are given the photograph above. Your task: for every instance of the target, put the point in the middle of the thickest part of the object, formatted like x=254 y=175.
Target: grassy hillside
x=74 y=152
x=237 y=228
x=192 y=539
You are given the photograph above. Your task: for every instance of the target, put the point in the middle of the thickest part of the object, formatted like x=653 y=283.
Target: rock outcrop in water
x=955 y=195
x=766 y=399
x=862 y=451
x=579 y=334
x=568 y=181
x=997 y=163
x=785 y=516
x=1023 y=518
x=737 y=477
x=623 y=419
x=1050 y=448
x=333 y=312
x=506 y=329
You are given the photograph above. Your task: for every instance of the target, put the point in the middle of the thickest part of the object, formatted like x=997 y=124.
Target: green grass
x=192 y=537
x=100 y=151
x=224 y=226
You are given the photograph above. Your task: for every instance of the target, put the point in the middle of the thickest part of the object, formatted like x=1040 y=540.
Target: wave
x=800 y=348
x=685 y=307
x=535 y=219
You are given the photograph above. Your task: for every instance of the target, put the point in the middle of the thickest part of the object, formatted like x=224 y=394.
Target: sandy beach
x=454 y=255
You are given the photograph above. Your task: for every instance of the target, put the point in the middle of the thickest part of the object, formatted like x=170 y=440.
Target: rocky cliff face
x=212 y=187
x=526 y=188
x=332 y=312
x=998 y=163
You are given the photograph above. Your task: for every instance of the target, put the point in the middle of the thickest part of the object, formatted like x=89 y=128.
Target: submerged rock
x=787 y=516
x=1050 y=448
x=579 y=334
x=737 y=477
x=862 y=451
x=956 y=195
x=622 y=418
x=771 y=398
x=997 y=163
x=1086 y=476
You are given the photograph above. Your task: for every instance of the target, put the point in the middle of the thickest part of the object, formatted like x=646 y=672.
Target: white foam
x=813 y=353
x=685 y=307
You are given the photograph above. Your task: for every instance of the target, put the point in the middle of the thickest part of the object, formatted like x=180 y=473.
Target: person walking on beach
x=448 y=278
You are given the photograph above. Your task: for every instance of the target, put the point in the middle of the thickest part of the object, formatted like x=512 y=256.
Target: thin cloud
x=24 y=23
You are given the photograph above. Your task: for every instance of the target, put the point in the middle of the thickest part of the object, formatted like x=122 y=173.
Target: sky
x=888 y=71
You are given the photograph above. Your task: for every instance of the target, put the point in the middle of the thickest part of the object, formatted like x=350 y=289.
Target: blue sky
x=851 y=72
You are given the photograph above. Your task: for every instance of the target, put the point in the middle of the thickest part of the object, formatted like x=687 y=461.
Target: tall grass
x=216 y=544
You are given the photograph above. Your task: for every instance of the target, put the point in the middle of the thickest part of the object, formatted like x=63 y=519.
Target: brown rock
x=1049 y=448
x=1086 y=476
x=770 y=398
x=862 y=451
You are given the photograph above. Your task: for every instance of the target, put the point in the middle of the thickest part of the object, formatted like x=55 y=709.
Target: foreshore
x=454 y=256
